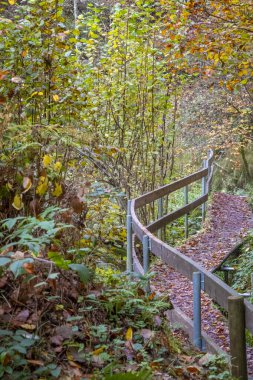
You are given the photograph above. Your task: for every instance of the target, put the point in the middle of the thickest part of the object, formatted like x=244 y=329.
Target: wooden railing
x=208 y=282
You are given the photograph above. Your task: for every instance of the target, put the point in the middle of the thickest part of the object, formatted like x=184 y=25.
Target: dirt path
x=229 y=218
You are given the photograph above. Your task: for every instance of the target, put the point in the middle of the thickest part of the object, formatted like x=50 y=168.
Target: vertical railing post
x=236 y=322
x=203 y=193
x=145 y=248
x=197 y=339
x=160 y=214
x=209 y=163
x=129 y=238
x=145 y=245
x=186 y=201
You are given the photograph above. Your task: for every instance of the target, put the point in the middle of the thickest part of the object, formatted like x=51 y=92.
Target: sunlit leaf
x=57 y=190
x=42 y=186
x=129 y=334
x=27 y=183
x=17 y=202
x=47 y=160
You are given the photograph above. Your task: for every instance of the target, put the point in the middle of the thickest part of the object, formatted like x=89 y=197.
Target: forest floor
x=229 y=219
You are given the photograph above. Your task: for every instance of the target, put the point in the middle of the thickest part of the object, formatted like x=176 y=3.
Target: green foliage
x=218 y=368
x=83 y=272
x=131 y=94
x=244 y=266
x=142 y=375
x=13 y=351
x=30 y=233
x=13 y=363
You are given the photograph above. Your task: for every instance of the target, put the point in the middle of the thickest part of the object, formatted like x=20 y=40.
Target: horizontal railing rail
x=210 y=284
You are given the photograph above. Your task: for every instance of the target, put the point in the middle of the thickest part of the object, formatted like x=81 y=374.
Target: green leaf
x=17 y=266
x=19 y=349
x=83 y=272
x=10 y=223
x=53 y=276
x=4 y=261
x=6 y=333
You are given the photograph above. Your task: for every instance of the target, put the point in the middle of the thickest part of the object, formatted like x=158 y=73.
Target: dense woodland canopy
x=101 y=101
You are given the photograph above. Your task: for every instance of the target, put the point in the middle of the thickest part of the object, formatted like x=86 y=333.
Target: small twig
x=6 y=300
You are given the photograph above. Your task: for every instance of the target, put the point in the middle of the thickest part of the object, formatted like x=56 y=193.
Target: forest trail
x=229 y=219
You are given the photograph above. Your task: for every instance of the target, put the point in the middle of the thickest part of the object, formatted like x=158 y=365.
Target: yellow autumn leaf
x=12 y=2
x=27 y=183
x=56 y=98
x=9 y=186
x=42 y=186
x=57 y=166
x=17 y=202
x=57 y=190
x=129 y=334
x=24 y=53
x=98 y=351
x=47 y=160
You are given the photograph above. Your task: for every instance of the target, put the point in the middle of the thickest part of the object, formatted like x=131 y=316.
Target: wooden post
x=236 y=321
x=160 y=214
x=145 y=247
x=186 y=201
x=203 y=193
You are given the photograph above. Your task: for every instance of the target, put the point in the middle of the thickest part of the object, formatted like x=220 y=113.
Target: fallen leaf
x=29 y=268
x=56 y=98
x=56 y=340
x=193 y=369
x=16 y=79
x=17 y=202
x=57 y=190
x=98 y=351
x=35 y=362
x=18 y=255
x=47 y=160
x=147 y=334
x=23 y=315
x=26 y=326
x=151 y=296
x=129 y=334
x=27 y=183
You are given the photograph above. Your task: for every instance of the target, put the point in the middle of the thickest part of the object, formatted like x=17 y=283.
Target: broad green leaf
x=17 y=266
x=4 y=261
x=83 y=272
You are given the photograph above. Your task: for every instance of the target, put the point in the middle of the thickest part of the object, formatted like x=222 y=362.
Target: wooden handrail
x=152 y=227
x=213 y=286
x=170 y=188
